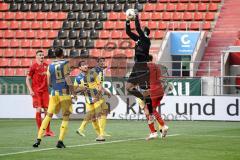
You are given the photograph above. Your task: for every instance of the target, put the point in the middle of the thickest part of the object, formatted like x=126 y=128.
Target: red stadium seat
x=149 y=7
x=41 y=34
x=3 y=7
x=162 y=25
x=115 y=34
x=20 y=72
x=4 y=43
x=26 y=62
x=109 y=25
x=166 y=16
x=9 y=72
x=20 y=52
x=14 y=62
x=30 y=16
x=36 y=43
x=194 y=1
x=104 y=34
x=4 y=62
x=14 y=25
x=30 y=34
x=120 y=25
x=187 y=16
x=152 y=25
x=129 y=53
x=108 y=53
x=61 y=15
x=132 y=24
x=213 y=7
x=217 y=1
x=20 y=16
x=194 y=26
x=9 y=34
x=205 y=1
x=51 y=16
x=170 y=7
x=191 y=7
x=177 y=16
x=41 y=16
x=100 y=43
x=126 y=44
x=14 y=43
x=209 y=16
x=95 y=52
x=122 y=16
x=124 y=35
x=173 y=26
x=3 y=25
x=20 y=34
x=202 y=7
x=57 y=25
x=159 y=35
x=2 y=72
x=52 y=34
x=2 y=52
x=156 y=16
x=46 y=25
x=198 y=16
x=25 y=25
x=181 y=7
x=30 y=53
x=206 y=26
x=36 y=25
x=9 y=15
x=183 y=26
x=113 y=16
x=9 y=52
x=1 y=15
x=25 y=43
x=144 y=16
x=1 y=34
x=159 y=7
x=47 y=43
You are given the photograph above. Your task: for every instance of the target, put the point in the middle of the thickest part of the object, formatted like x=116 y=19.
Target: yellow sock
x=102 y=123
x=96 y=127
x=83 y=125
x=159 y=127
x=43 y=127
x=63 y=130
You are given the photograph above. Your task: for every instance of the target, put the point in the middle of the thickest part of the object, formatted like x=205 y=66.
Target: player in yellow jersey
x=89 y=83
x=102 y=119
x=61 y=89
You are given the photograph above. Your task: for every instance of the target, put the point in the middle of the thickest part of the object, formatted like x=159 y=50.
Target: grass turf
x=197 y=140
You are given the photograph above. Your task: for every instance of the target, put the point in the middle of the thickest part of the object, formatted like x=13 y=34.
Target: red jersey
x=38 y=74
x=156 y=89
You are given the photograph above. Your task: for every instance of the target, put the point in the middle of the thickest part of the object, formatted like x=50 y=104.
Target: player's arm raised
x=138 y=27
x=132 y=35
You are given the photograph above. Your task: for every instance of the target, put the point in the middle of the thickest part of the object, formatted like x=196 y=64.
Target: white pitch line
x=80 y=145
x=222 y=136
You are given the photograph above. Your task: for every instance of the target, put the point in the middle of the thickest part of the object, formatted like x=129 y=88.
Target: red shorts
x=41 y=100
x=156 y=102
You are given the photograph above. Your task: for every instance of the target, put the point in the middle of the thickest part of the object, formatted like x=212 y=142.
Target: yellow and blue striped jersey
x=91 y=81
x=99 y=71
x=57 y=71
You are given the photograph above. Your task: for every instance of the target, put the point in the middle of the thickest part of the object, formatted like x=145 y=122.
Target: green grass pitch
x=189 y=140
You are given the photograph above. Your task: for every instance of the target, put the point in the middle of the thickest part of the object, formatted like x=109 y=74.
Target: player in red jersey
x=37 y=84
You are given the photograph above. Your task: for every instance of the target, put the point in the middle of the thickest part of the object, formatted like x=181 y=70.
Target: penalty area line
x=80 y=145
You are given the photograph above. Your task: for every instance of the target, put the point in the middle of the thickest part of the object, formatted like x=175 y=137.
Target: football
x=130 y=14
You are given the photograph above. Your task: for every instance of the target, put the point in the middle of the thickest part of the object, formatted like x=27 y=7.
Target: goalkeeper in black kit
x=140 y=73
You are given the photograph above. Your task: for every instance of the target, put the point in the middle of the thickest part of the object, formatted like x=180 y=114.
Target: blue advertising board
x=183 y=43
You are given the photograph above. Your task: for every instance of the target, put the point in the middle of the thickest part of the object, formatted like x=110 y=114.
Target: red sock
x=151 y=125
x=159 y=118
x=38 y=119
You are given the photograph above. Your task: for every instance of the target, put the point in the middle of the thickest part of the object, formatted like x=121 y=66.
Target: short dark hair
x=98 y=59
x=39 y=51
x=80 y=63
x=150 y=58
x=58 y=52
